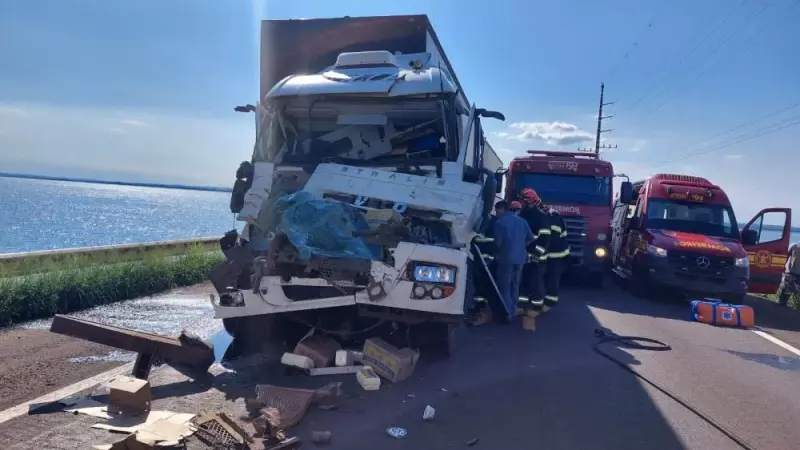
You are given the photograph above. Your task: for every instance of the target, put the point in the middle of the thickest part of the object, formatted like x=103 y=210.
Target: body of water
x=45 y=215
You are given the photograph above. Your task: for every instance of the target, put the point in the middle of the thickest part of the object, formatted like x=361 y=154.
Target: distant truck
x=365 y=117
x=579 y=186
x=679 y=232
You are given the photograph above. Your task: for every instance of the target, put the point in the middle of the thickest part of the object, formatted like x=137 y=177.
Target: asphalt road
x=513 y=389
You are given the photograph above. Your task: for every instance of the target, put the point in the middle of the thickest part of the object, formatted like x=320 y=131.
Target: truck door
x=766 y=238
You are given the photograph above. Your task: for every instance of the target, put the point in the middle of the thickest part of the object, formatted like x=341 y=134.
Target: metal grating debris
x=221 y=433
x=289 y=405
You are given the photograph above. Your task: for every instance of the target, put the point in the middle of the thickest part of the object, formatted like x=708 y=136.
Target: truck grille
x=576 y=235
x=687 y=263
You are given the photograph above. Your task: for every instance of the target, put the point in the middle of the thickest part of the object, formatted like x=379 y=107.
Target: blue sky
x=144 y=90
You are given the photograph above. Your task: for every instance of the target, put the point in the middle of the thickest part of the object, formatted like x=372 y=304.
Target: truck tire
x=254 y=333
x=444 y=339
x=437 y=339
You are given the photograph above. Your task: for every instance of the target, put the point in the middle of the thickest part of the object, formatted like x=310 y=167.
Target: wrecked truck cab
x=369 y=179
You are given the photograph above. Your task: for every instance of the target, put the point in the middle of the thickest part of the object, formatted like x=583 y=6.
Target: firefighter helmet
x=530 y=197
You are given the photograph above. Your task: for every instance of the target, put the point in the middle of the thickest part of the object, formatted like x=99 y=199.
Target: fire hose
x=641 y=343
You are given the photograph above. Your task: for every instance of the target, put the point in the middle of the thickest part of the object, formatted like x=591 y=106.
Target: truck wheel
x=438 y=339
x=445 y=339
x=251 y=334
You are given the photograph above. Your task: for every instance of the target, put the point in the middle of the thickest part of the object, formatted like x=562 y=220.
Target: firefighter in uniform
x=557 y=257
x=539 y=222
x=790 y=281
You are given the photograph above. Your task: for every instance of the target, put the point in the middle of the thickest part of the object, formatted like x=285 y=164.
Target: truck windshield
x=296 y=131
x=575 y=189
x=690 y=217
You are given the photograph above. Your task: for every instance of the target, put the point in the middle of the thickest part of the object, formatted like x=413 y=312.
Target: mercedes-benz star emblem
x=703 y=262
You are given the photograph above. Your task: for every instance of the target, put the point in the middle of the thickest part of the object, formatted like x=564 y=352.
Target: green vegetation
x=794 y=300
x=47 y=286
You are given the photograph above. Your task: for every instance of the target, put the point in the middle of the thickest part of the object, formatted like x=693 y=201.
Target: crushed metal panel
x=412 y=190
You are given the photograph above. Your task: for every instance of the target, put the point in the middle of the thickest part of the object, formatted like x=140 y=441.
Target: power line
x=750 y=122
x=721 y=45
x=639 y=36
x=702 y=39
x=787 y=123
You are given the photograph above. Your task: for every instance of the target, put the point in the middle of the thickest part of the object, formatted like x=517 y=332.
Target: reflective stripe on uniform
x=537 y=302
x=523 y=299
x=556 y=255
x=556 y=228
x=480 y=300
x=540 y=249
x=552 y=298
x=544 y=231
x=564 y=234
x=543 y=258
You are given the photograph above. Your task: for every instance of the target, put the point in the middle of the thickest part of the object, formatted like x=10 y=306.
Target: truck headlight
x=743 y=262
x=432 y=273
x=600 y=252
x=657 y=251
x=601 y=236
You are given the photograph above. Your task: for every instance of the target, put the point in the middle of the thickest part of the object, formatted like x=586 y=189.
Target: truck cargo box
x=310 y=45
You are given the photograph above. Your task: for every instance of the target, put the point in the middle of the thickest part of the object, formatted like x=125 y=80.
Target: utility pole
x=600 y=119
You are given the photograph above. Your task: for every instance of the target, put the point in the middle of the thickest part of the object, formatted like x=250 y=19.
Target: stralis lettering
x=563 y=165
x=562 y=209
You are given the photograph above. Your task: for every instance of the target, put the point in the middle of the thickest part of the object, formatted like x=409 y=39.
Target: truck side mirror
x=626 y=192
x=498 y=176
x=490 y=114
x=749 y=237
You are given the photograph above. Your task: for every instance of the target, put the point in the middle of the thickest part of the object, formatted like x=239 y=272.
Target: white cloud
x=9 y=111
x=733 y=157
x=135 y=123
x=117 y=130
x=554 y=133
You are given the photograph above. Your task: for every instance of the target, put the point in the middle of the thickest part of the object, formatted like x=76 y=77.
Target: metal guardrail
x=177 y=244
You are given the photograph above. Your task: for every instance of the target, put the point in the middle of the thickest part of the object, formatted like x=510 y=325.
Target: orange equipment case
x=718 y=313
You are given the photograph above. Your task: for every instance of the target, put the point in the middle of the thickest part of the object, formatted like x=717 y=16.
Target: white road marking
x=21 y=410
x=777 y=341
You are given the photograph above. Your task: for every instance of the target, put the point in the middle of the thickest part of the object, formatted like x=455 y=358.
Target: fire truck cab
x=579 y=186
x=679 y=232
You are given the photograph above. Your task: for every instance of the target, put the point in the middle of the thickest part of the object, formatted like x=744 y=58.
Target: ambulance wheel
x=640 y=285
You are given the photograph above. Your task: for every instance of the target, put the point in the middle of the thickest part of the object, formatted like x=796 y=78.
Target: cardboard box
x=321 y=349
x=388 y=361
x=129 y=395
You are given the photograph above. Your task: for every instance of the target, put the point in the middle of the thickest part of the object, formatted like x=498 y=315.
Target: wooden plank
x=171 y=349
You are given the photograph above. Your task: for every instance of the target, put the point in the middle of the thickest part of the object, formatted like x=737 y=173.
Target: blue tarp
x=317 y=227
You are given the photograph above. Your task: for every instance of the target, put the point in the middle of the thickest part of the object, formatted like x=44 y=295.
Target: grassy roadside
x=78 y=282
x=41 y=263
x=794 y=301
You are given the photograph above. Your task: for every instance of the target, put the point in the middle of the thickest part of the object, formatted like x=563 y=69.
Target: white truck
x=360 y=121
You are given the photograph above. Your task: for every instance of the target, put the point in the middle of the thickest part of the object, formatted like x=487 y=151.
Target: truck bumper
x=389 y=288
x=594 y=259
x=659 y=272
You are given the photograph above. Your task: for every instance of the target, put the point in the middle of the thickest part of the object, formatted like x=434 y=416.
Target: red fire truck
x=579 y=186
